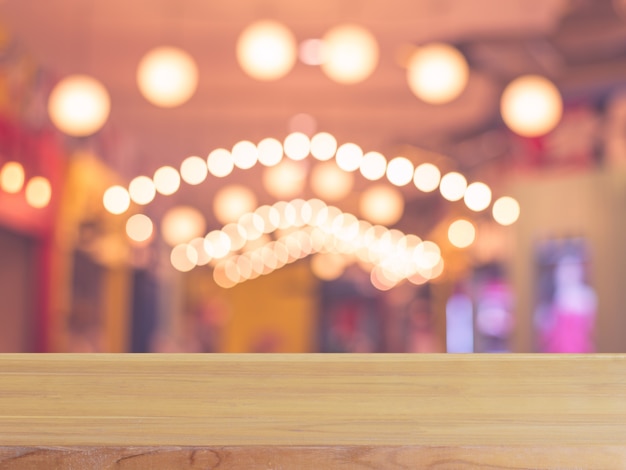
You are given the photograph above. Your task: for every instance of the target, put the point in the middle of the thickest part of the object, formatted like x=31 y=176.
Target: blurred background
x=275 y=176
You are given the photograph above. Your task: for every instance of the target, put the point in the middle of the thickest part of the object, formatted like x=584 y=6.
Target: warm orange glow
x=79 y=105
x=12 y=177
x=437 y=73
x=183 y=257
x=266 y=50
x=232 y=201
x=284 y=180
x=531 y=106
x=381 y=204
x=330 y=182
x=328 y=266
x=167 y=76
x=349 y=54
x=245 y=154
x=323 y=146
x=181 y=224
x=297 y=146
x=38 y=192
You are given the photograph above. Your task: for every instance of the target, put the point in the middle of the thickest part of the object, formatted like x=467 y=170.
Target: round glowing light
x=220 y=277
x=427 y=255
x=220 y=163
x=426 y=177
x=38 y=192
x=437 y=73
x=142 y=190
x=198 y=245
x=461 y=233
x=323 y=146
x=297 y=146
x=266 y=50
x=182 y=258
x=311 y=52
x=400 y=171
x=373 y=166
x=166 y=180
x=245 y=154
x=139 y=228
x=231 y=202
x=330 y=182
x=477 y=196
x=328 y=266
x=12 y=177
x=380 y=279
x=506 y=210
x=531 y=106
x=237 y=240
x=79 y=105
x=181 y=224
x=270 y=152
x=452 y=186
x=167 y=76
x=284 y=180
x=193 y=170
x=349 y=157
x=381 y=204
x=116 y=200
x=349 y=53
x=217 y=244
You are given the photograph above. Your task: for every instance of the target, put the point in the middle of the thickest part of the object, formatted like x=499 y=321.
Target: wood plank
x=313 y=458
x=410 y=402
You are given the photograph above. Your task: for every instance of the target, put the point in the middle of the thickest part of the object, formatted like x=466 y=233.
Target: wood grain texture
x=313 y=458
x=370 y=401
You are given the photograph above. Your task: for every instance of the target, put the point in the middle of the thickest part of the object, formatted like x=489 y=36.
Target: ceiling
x=581 y=45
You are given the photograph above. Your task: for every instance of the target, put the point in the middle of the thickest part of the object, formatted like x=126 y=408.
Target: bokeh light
x=116 y=200
x=323 y=146
x=328 y=266
x=284 y=180
x=531 y=106
x=349 y=53
x=220 y=163
x=270 y=152
x=12 y=177
x=427 y=177
x=181 y=224
x=400 y=171
x=38 y=192
x=437 y=73
x=297 y=146
x=266 y=50
x=381 y=204
x=79 y=105
x=349 y=157
x=167 y=76
x=183 y=258
x=506 y=210
x=330 y=182
x=373 y=166
x=452 y=186
x=193 y=170
x=477 y=196
x=231 y=202
x=461 y=233
x=166 y=180
x=142 y=190
x=245 y=154
x=139 y=228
